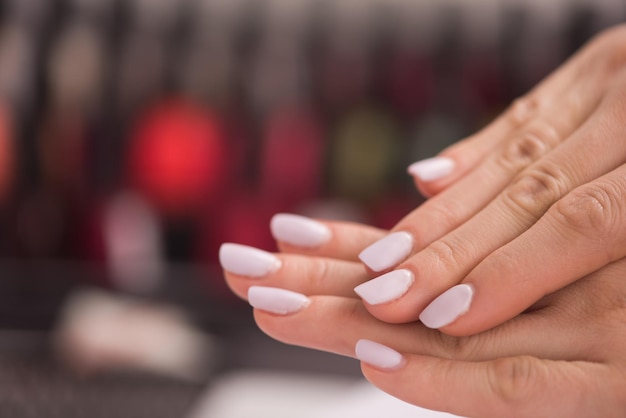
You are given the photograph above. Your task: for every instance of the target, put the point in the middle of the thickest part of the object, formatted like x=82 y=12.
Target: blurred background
x=138 y=135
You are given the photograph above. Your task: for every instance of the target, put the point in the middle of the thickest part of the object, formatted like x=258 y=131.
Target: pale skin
x=563 y=357
x=536 y=201
x=532 y=218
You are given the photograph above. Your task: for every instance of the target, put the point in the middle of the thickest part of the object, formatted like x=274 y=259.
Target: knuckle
x=535 y=190
x=318 y=272
x=450 y=255
x=617 y=32
x=590 y=210
x=612 y=39
x=445 y=211
x=521 y=110
x=355 y=310
x=608 y=48
x=528 y=146
x=457 y=348
x=607 y=38
x=512 y=379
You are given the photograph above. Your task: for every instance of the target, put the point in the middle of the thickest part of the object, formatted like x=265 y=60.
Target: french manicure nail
x=385 y=288
x=299 y=230
x=448 y=306
x=387 y=252
x=432 y=168
x=378 y=355
x=247 y=261
x=275 y=300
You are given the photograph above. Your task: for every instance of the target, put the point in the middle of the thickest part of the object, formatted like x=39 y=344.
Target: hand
x=528 y=205
x=565 y=357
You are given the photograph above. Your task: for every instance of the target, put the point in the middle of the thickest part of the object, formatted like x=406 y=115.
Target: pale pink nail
x=387 y=252
x=247 y=261
x=448 y=306
x=385 y=288
x=432 y=168
x=275 y=300
x=378 y=355
x=299 y=230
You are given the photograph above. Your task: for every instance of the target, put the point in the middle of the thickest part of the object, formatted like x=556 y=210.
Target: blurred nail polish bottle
x=535 y=40
x=18 y=54
x=74 y=102
x=277 y=72
x=133 y=244
x=409 y=80
x=292 y=156
x=482 y=87
x=363 y=155
x=31 y=14
x=154 y=16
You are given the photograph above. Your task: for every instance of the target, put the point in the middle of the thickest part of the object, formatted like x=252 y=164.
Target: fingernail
x=275 y=300
x=448 y=306
x=387 y=252
x=385 y=288
x=299 y=230
x=432 y=168
x=378 y=355
x=247 y=261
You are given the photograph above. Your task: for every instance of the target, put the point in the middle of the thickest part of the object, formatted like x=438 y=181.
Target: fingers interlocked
x=492 y=243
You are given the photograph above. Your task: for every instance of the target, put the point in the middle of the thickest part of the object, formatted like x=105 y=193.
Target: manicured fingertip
x=432 y=169
x=385 y=288
x=299 y=231
x=388 y=251
x=448 y=306
x=276 y=301
x=247 y=261
x=378 y=355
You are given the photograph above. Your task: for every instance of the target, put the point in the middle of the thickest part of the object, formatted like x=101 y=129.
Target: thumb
x=522 y=386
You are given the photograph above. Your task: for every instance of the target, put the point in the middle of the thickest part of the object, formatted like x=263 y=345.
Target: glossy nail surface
x=385 y=288
x=432 y=168
x=275 y=300
x=247 y=261
x=378 y=355
x=299 y=230
x=448 y=306
x=387 y=252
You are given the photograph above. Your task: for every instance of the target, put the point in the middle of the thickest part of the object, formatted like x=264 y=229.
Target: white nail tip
x=387 y=252
x=247 y=261
x=299 y=230
x=448 y=306
x=275 y=300
x=378 y=355
x=385 y=288
x=432 y=168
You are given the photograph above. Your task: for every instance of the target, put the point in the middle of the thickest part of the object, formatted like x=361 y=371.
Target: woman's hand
x=564 y=357
x=525 y=207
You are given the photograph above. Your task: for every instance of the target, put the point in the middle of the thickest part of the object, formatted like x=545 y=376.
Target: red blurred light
x=177 y=157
